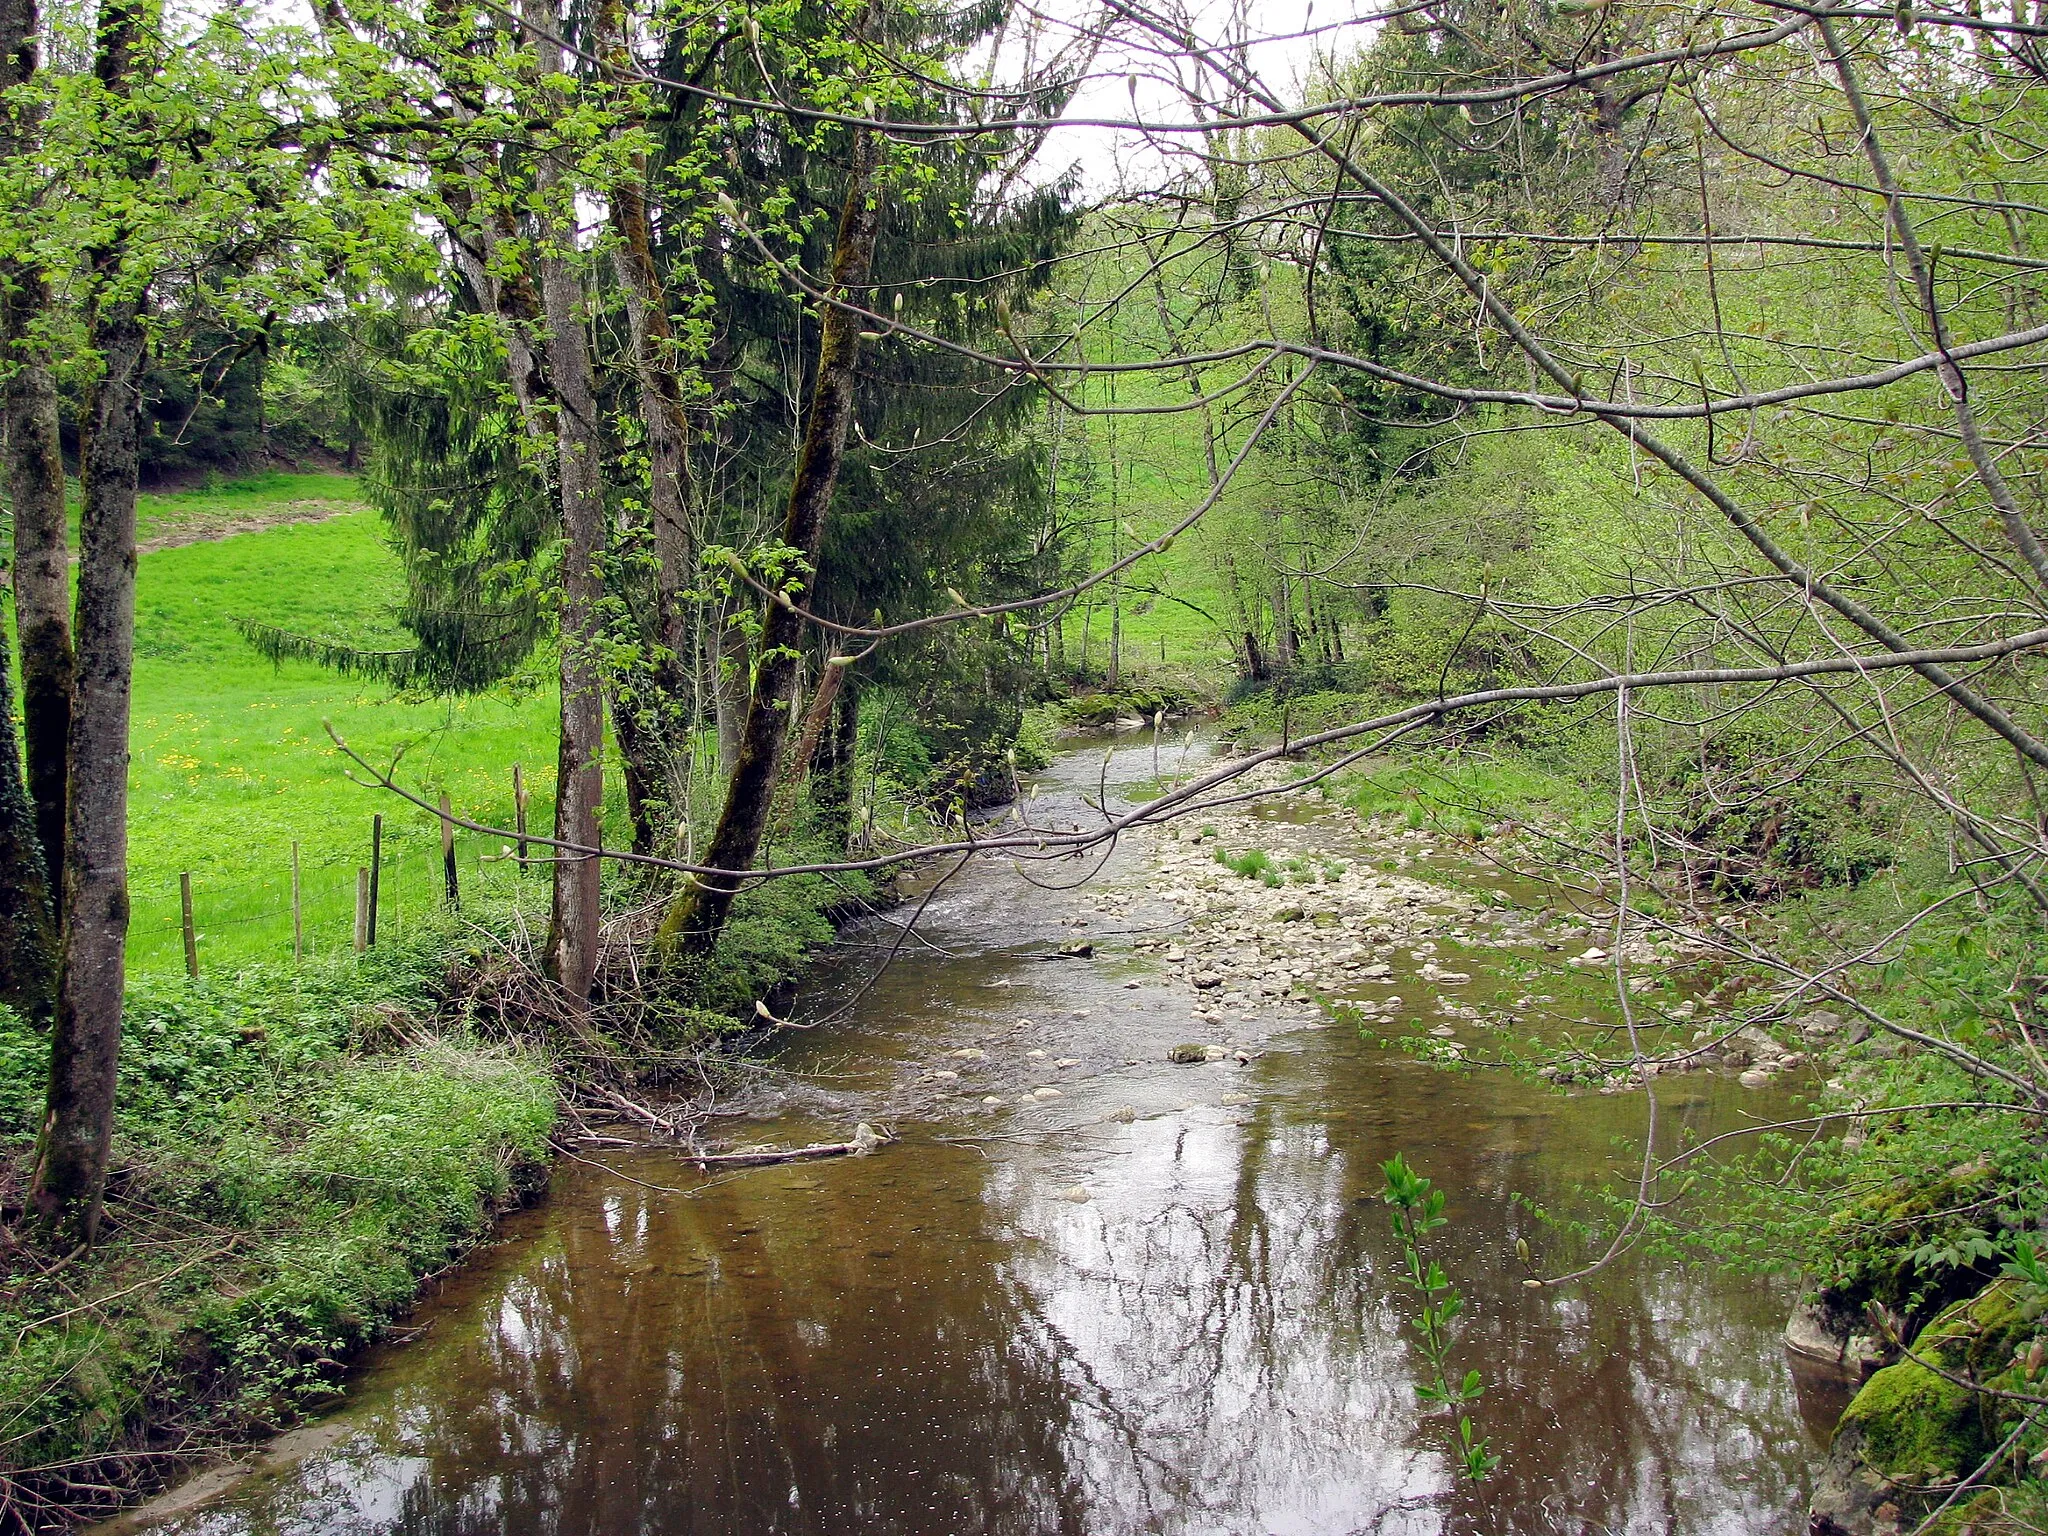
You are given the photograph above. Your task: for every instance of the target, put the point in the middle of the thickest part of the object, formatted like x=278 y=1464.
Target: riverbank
x=297 y=1153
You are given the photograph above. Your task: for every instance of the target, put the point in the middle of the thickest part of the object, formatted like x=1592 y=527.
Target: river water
x=1160 y=1298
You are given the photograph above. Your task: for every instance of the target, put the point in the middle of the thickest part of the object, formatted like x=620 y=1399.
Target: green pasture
x=231 y=764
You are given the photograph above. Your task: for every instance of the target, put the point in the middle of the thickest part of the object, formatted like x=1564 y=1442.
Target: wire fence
x=254 y=910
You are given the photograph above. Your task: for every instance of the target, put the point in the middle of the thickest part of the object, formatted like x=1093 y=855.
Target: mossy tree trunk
x=71 y=1158
x=35 y=478
x=28 y=923
x=651 y=708
x=698 y=917
x=70 y=1177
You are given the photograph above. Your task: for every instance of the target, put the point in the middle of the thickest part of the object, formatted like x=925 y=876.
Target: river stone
x=1036 y=1055
x=1755 y=1077
x=1045 y=1093
x=1188 y=1055
x=1236 y=1098
x=1124 y=1114
x=1820 y=1024
x=1068 y=1061
x=971 y=1053
x=992 y=1102
x=1078 y=1195
x=1765 y=1045
x=1208 y=979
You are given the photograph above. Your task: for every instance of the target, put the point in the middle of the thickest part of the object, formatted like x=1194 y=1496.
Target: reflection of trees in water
x=1223 y=1321
x=1215 y=1343
x=1247 y=1324
x=766 y=1358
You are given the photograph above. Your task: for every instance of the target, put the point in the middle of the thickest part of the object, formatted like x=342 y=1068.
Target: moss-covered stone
x=1877 y=1240
x=1917 y=1426
x=1921 y=1423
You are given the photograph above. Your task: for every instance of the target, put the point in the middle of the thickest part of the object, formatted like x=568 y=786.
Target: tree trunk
x=35 y=482
x=71 y=1156
x=42 y=598
x=832 y=784
x=28 y=924
x=729 y=691
x=662 y=415
x=70 y=1177
x=698 y=916
x=571 y=954
x=1256 y=666
x=1283 y=625
x=817 y=717
x=639 y=770
x=661 y=688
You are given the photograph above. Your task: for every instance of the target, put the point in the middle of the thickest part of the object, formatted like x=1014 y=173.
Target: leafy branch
x=1418 y=1210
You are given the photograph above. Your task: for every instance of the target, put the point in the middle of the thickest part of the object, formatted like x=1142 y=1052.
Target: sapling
x=1418 y=1210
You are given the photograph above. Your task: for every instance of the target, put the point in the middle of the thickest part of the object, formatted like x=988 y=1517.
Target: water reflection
x=940 y=1340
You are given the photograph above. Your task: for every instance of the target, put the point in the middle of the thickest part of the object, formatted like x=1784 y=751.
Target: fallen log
x=865 y=1139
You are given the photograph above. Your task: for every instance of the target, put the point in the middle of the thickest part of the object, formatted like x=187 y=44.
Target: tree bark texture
x=42 y=593
x=71 y=1159
x=639 y=767
x=652 y=707
x=832 y=777
x=571 y=953
x=698 y=917
x=661 y=414
x=817 y=718
x=730 y=662
x=70 y=1177
x=35 y=483
x=28 y=923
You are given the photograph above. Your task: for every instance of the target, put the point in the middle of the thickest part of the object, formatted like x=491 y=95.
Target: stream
x=1089 y=1289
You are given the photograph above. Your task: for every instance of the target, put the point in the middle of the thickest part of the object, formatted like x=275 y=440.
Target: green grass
x=230 y=763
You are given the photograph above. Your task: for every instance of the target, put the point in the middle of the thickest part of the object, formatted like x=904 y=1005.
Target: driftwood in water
x=865 y=1139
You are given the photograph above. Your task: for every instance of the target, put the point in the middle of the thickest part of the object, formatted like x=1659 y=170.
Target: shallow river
x=1163 y=1300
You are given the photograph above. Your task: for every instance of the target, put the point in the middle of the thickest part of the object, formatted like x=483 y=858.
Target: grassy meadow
x=231 y=764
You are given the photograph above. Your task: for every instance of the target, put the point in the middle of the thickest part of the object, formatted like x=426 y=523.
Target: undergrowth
x=294 y=1153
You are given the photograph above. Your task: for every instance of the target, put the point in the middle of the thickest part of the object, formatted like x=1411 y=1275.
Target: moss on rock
x=1917 y=1426
x=1924 y=1422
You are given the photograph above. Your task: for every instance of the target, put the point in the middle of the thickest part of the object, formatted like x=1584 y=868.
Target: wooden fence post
x=448 y=853
x=519 y=807
x=362 y=907
x=298 y=912
x=191 y=936
x=376 y=868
